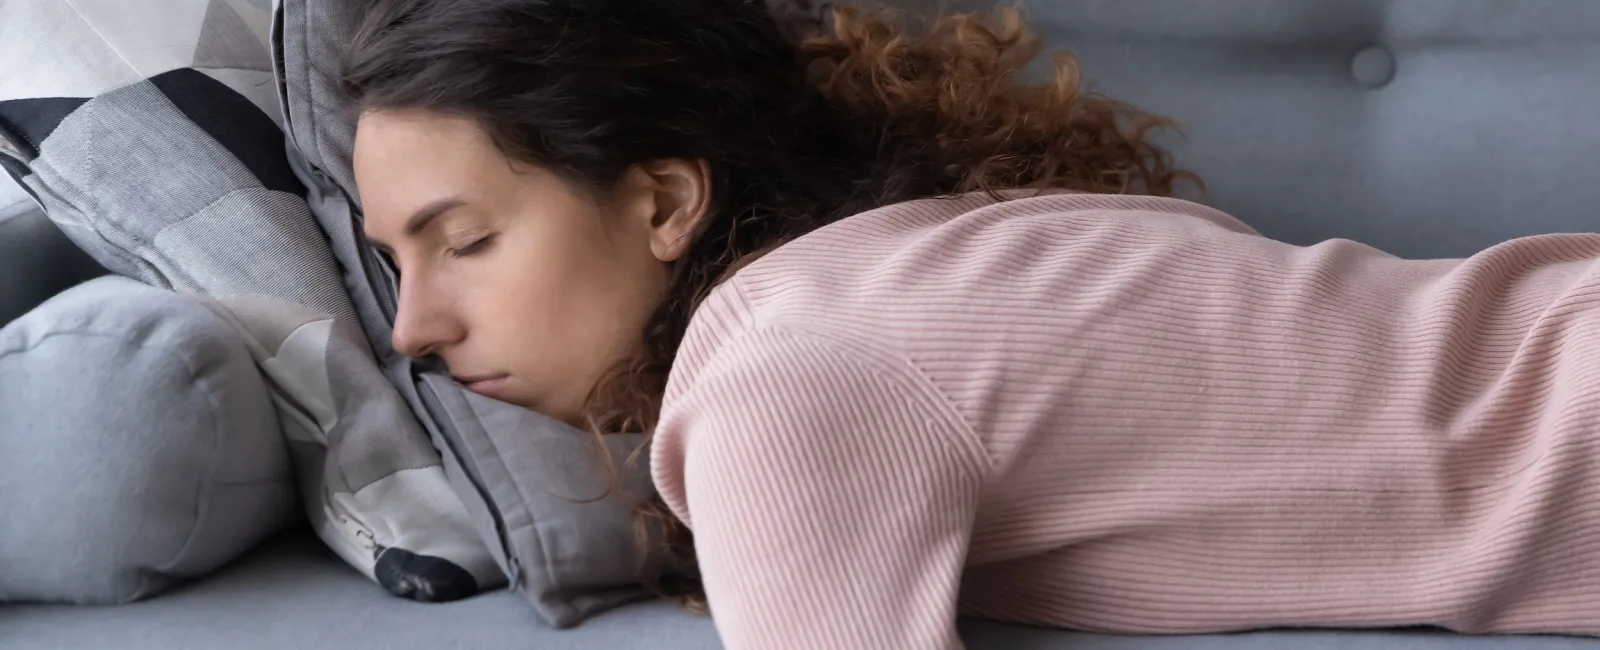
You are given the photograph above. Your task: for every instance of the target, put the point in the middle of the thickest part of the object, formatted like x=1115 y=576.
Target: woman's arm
x=831 y=491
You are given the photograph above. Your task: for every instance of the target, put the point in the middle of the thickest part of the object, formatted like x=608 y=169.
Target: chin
x=511 y=392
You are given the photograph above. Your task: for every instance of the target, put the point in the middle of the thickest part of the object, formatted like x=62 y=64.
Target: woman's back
x=1147 y=417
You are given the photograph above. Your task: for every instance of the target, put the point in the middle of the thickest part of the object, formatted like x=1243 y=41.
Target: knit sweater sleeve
x=831 y=491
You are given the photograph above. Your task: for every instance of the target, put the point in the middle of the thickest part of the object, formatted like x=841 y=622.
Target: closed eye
x=477 y=246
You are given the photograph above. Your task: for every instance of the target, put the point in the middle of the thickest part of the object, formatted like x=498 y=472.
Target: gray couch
x=1424 y=127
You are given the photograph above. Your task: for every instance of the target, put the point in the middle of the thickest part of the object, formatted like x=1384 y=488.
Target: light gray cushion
x=138 y=446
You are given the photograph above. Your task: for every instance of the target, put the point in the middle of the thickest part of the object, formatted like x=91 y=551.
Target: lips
x=487 y=385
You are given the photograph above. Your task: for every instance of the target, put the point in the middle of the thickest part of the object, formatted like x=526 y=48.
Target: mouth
x=486 y=385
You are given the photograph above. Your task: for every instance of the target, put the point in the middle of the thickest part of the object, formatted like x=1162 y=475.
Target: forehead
x=406 y=160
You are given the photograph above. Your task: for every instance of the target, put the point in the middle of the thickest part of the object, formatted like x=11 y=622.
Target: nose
x=423 y=323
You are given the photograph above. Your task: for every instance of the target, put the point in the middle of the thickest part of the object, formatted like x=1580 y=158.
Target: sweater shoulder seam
x=893 y=363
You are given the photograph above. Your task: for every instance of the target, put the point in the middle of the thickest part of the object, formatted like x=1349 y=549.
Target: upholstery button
x=1372 y=67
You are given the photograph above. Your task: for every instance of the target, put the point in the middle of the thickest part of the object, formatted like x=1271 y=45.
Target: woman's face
x=528 y=287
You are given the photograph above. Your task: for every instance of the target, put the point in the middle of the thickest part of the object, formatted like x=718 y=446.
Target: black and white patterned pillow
x=151 y=134
x=55 y=55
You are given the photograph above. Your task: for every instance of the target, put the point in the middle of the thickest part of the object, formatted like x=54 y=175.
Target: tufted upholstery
x=1486 y=131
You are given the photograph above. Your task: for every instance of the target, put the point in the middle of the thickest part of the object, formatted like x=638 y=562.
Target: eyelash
x=472 y=248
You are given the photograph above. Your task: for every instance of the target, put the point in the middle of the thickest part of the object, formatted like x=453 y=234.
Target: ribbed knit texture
x=1135 y=415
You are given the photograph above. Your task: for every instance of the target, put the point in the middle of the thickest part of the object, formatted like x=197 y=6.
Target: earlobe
x=683 y=197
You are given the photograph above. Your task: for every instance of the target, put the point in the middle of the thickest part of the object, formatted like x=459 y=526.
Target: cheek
x=595 y=301
x=516 y=300
x=559 y=317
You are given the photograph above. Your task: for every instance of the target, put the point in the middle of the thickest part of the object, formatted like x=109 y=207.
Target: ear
x=669 y=197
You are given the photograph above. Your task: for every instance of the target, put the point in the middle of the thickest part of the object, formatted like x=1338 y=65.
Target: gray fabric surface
x=13 y=200
x=36 y=260
x=137 y=446
x=573 y=548
x=1485 y=132
x=294 y=594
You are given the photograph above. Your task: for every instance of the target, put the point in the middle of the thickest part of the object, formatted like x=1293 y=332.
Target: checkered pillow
x=82 y=48
x=150 y=132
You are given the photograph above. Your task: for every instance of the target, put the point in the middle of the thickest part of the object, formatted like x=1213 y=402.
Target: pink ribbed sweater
x=1135 y=415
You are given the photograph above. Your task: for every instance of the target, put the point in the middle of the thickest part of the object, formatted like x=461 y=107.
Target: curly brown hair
x=803 y=122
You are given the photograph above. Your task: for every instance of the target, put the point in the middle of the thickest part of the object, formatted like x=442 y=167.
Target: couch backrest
x=1423 y=127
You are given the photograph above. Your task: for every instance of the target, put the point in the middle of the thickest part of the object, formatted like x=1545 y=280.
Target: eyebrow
x=421 y=218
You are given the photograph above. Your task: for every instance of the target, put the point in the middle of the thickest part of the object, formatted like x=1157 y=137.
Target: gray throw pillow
x=530 y=483
x=138 y=446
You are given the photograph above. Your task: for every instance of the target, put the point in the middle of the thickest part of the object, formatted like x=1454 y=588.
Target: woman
x=886 y=387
